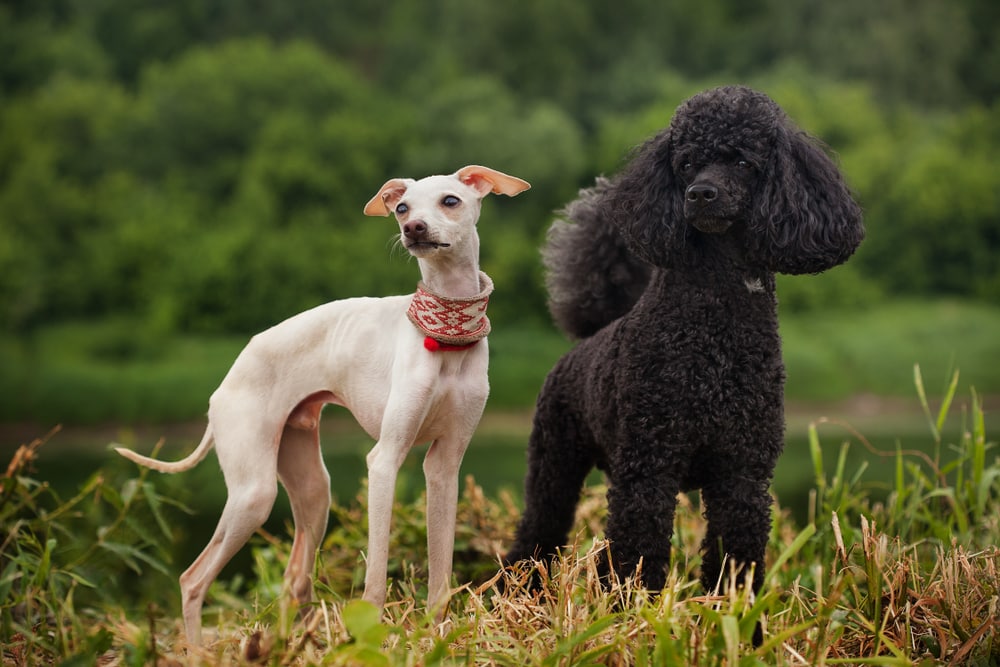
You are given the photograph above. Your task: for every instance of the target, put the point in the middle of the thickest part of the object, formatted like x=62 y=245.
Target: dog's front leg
x=404 y=413
x=641 y=505
x=441 y=468
x=383 y=464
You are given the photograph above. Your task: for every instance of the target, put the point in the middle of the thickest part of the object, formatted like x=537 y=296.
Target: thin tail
x=591 y=276
x=188 y=462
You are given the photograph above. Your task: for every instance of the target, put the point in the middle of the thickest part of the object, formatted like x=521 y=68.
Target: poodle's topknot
x=803 y=215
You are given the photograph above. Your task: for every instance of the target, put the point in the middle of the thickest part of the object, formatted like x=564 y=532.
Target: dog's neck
x=710 y=258
x=448 y=320
x=450 y=276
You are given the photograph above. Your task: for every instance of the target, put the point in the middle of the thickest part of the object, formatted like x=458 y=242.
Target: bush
x=61 y=559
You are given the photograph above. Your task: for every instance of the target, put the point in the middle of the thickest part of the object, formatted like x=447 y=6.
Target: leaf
x=137 y=524
x=126 y=553
x=153 y=500
x=364 y=623
x=44 y=565
x=95 y=645
x=129 y=489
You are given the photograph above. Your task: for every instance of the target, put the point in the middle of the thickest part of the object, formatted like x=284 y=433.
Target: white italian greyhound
x=411 y=369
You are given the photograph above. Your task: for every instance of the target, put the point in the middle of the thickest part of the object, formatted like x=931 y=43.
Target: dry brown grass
x=863 y=583
x=828 y=601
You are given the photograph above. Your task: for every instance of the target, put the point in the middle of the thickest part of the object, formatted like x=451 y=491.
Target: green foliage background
x=200 y=166
x=177 y=175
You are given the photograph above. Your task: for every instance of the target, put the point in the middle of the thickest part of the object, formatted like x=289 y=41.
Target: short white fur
x=363 y=354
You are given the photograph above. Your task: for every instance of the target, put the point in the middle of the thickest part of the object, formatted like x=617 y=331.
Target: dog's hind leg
x=441 y=467
x=559 y=459
x=249 y=466
x=305 y=478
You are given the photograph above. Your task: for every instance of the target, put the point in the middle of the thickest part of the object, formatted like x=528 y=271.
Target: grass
x=93 y=373
x=833 y=355
x=911 y=579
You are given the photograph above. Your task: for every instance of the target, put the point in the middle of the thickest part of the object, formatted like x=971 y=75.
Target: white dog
x=411 y=369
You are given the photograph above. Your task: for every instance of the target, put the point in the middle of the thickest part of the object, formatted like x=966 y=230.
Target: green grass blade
x=731 y=636
x=949 y=396
x=789 y=552
x=918 y=382
x=816 y=454
x=566 y=646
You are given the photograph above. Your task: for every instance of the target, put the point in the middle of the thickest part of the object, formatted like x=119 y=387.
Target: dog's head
x=439 y=212
x=732 y=162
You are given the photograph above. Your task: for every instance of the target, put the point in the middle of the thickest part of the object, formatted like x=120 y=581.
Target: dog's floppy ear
x=485 y=180
x=384 y=202
x=644 y=204
x=807 y=220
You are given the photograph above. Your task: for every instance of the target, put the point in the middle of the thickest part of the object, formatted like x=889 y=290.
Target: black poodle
x=667 y=274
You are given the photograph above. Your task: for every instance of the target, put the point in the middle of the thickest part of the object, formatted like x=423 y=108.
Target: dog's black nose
x=702 y=193
x=414 y=228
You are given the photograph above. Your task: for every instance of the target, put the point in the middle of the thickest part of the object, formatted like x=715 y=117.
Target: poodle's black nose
x=702 y=193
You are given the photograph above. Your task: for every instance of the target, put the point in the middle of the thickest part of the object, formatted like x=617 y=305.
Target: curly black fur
x=667 y=273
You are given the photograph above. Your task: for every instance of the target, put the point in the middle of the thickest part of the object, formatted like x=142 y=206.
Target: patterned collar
x=449 y=323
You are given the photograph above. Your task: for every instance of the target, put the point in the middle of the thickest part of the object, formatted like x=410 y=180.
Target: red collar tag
x=432 y=345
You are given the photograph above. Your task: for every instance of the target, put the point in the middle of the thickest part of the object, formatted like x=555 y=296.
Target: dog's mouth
x=714 y=217
x=711 y=225
x=421 y=246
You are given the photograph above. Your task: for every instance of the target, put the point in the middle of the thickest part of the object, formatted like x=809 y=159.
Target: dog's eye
x=742 y=164
x=401 y=209
x=451 y=201
x=687 y=166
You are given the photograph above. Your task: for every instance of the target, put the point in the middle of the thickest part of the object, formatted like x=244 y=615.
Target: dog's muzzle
x=702 y=202
x=711 y=225
x=417 y=237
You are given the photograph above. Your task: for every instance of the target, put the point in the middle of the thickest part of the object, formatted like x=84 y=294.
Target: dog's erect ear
x=807 y=220
x=644 y=203
x=384 y=202
x=485 y=180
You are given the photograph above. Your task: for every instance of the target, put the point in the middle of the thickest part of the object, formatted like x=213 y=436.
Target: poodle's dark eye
x=401 y=209
x=451 y=201
x=686 y=167
x=743 y=164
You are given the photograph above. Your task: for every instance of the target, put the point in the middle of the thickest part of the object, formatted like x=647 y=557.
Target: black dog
x=667 y=273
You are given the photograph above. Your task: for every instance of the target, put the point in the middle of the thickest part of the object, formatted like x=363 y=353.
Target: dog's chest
x=696 y=349
x=455 y=406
